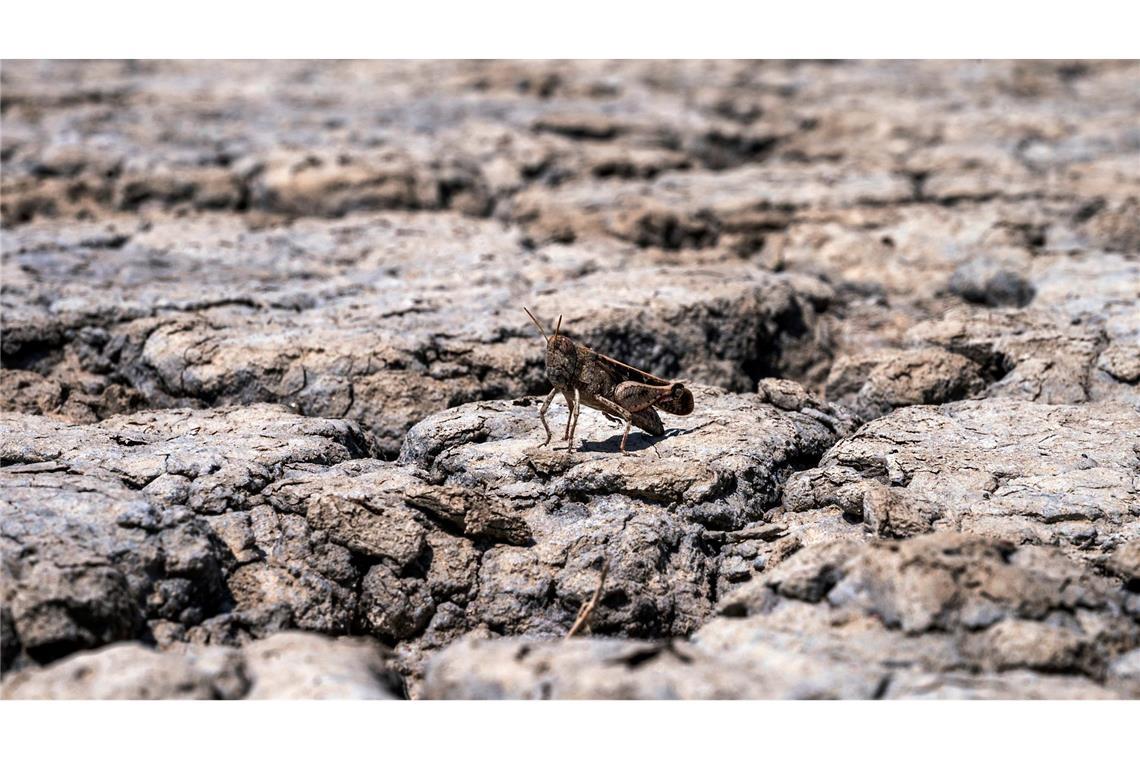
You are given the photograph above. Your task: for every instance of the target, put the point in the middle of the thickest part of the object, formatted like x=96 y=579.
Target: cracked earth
x=269 y=421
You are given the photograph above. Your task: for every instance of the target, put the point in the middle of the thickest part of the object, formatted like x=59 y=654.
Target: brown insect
x=617 y=390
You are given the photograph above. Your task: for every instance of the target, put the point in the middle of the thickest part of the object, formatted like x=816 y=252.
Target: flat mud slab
x=1061 y=475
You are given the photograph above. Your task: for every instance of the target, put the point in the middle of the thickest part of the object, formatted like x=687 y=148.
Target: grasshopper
x=617 y=390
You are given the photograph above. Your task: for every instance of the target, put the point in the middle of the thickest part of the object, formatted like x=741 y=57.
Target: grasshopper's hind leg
x=542 y=415
x=618 y=411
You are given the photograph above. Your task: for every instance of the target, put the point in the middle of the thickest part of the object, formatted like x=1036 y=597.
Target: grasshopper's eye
x=678 y=391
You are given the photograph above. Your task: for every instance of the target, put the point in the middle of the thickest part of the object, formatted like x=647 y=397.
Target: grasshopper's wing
x=623 y=372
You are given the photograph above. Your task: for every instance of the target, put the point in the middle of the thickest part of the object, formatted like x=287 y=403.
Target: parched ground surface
x=269 y=422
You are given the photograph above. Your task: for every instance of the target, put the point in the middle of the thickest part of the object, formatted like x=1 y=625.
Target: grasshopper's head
x=561 y=355
x=561 y=361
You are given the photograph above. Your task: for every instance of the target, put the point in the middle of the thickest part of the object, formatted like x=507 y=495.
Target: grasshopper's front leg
x=542 y=414
x=572 y=423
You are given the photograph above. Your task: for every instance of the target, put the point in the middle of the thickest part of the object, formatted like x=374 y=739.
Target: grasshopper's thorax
x=561 y=361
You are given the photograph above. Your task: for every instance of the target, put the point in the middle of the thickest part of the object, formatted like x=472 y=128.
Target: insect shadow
x=636 y=442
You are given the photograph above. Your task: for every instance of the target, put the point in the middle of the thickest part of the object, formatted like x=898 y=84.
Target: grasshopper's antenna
x=558 y=326
x=536 y=324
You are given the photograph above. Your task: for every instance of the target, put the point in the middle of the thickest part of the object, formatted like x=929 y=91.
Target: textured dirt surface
x=270 y=401
x=934 y=616
x=220 y=526
x=281 y=666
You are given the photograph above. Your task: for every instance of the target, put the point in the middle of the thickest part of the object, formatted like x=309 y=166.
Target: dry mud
x=269 y=420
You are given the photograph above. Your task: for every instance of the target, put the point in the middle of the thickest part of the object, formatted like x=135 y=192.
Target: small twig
x=588 y=607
